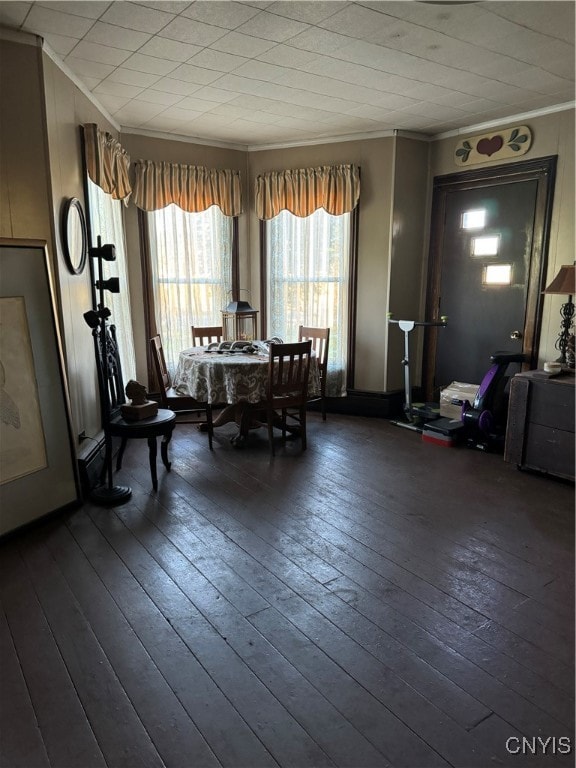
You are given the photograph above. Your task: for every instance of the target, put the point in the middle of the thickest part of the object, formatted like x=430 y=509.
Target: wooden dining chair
x=320 y=338
x=112 y=398
x=194 y=411
x=287 y=389
x=206 y=334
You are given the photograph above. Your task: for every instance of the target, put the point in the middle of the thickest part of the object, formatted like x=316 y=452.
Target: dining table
x=236 y=380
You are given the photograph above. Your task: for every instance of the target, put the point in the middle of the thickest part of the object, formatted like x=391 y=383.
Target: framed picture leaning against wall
x=38 y=473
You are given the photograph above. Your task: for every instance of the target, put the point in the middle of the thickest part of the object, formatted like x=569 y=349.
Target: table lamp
x=565 y=284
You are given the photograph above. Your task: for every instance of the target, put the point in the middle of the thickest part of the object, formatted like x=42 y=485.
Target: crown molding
x=179 y=137
x=520 y=118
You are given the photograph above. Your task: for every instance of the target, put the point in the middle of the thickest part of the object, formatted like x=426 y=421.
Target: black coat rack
x=110 y=381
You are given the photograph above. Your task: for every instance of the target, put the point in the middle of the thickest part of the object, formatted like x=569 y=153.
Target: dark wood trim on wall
x=543 y=170
x=235 y=260
x=353 y=296
x=263 y=279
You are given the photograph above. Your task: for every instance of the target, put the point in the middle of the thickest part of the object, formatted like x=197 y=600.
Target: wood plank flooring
x=375 y=601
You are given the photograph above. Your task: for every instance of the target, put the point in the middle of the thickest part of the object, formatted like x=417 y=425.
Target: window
x=497 y=274
x=191 y=264
x=106 y=222
x=486 y=246
x=474 y=219
x=308 y=276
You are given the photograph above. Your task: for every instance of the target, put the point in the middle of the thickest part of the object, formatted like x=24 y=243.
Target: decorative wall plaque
x=498 y=145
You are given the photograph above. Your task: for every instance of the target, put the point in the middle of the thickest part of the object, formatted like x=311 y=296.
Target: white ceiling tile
x=134 y=16
x=285 y=55
x=192 y=74
x=259 y=70
x=272 y=27
x=117 y=89
x=138 y=111
x=319 y=41
x=216 y=95
x=221 y=62
x=191 y=31
x=89 y=10
x=150 y=64
x=309 y=12
x=536 y=79
x=13 y=14
x=222 y=14
x=555 y=19
x=131 y=77
x=163 y=48
x=159 y=97
x=168 y=6
x=117 y=37
x=91 y=82
x=104 y=54
x=242 y=45
x=181 y=114
x=83 y=68
x=42 y=19
x=196 y=104
x=177 y=87
x=112 y=103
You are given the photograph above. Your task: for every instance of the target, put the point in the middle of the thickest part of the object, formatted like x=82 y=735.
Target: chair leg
x=303 y=427
x=323 y=399
x=152 y=451
x=209 y=426
x=270 y=419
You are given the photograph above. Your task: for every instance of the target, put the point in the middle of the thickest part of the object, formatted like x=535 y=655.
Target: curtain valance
x=336 y=188
x=191 y=187
x=107 y=162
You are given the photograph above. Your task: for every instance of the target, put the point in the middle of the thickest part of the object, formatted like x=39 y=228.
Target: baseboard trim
x=384 y=405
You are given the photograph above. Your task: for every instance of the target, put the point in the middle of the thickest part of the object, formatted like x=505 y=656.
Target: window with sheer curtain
x=106 y=221
x=308 y=276
x=191 y=269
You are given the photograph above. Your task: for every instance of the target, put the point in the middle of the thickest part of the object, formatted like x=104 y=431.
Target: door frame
x=543 y=170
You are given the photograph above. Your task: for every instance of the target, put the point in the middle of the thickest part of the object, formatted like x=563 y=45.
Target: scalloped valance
x=107 y=162
x=191 y=187
x=336 y=188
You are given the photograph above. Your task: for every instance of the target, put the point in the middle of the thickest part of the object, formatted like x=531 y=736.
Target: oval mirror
x=74 y=236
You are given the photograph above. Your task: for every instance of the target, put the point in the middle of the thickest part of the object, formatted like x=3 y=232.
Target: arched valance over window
x=191 y=187
x=336 y=188
x=107 y=162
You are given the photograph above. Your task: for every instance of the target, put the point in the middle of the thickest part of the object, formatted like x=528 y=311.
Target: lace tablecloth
x=214 y=377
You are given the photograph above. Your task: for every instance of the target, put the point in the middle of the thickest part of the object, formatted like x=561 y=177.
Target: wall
x=552 y=134
x=148 y=148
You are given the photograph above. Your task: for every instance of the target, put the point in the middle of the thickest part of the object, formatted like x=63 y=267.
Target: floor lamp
x=564 y=284
x=108 y=495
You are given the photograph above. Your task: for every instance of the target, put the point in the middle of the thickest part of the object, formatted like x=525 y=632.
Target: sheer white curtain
x=191 y=256
x=308 y=265
x=106 y=221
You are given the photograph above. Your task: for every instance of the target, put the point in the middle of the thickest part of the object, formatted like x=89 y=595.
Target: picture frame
x=38 y=467
x=74 y=236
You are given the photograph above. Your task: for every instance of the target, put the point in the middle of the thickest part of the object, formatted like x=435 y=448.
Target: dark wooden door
x=487 y=264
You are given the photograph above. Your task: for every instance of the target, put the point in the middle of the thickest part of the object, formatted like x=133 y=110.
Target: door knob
x=516 y=335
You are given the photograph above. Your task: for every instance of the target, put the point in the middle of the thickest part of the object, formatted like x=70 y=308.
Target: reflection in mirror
x=75 y=240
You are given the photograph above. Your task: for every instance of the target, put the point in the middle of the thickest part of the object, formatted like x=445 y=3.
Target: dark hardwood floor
x=376 y=601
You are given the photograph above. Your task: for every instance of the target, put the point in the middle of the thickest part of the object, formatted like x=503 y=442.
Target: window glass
x=191 y=255
x=485 y=246
x=308 y=271
x=106 y=221
x=474 y=219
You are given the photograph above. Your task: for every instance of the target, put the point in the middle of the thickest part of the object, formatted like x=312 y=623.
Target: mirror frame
x=74 y=236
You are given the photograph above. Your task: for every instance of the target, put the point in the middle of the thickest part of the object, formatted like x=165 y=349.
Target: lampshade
x=564 y=282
